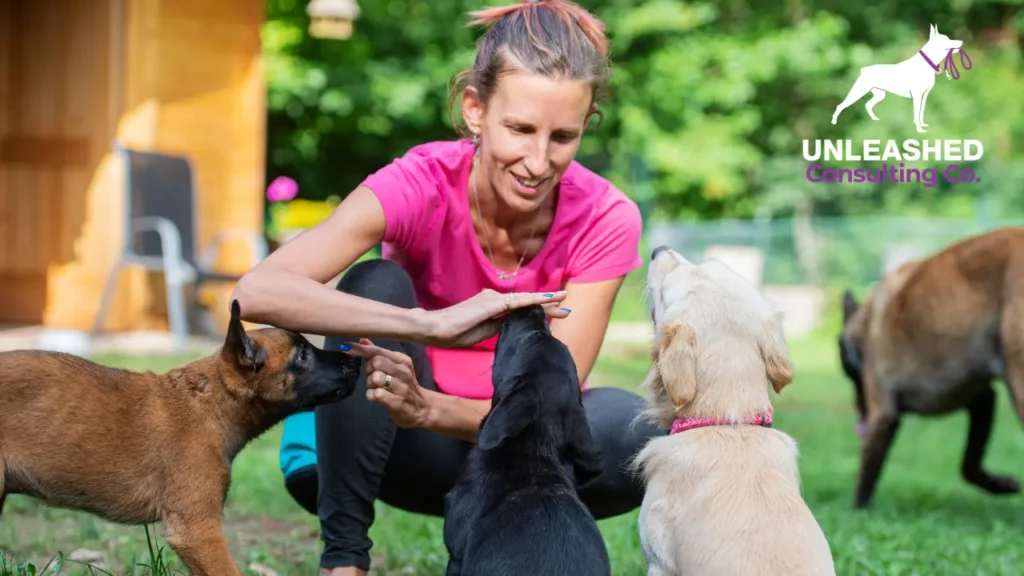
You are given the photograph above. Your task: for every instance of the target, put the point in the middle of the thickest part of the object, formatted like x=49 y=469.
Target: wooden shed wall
x=180 y=76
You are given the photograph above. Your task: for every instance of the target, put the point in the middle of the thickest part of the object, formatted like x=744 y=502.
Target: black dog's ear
x=850 y=306
x=583 y=453
x=508 y=418
x=237 y=344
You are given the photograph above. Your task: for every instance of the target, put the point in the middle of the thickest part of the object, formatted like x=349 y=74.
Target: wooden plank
x=50 y=148
x=221 y=14
x=23 y=300
x=6 y=26
x=89 y=216
x=45 y=152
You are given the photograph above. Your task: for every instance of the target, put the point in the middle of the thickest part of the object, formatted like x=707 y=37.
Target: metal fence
x=821 y=251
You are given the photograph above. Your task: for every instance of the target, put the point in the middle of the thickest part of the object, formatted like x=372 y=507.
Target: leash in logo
x=949 y=64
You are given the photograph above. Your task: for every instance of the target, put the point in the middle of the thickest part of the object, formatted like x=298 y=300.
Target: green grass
x=925 y=520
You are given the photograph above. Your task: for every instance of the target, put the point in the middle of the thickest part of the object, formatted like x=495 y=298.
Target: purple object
x=281 y=189
x=950 y=64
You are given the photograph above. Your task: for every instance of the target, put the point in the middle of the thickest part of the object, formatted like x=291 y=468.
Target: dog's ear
x=850 y=306
x=932 y=31
x=583 y=453
x=677 y=363
x=775 y=352
x=508 y=418
x=242 y=350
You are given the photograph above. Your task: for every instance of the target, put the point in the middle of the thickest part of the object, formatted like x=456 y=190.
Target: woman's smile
x=528 y=186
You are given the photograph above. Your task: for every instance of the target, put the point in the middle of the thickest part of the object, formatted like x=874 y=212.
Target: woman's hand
x=391 y=382
x=473 y=320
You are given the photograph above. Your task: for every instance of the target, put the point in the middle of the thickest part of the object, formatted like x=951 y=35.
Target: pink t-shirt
x=428 y=230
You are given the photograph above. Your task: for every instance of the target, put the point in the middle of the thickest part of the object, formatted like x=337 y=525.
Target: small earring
x=476 y=139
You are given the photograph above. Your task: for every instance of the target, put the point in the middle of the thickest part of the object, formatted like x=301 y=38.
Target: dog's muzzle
x=656 y=251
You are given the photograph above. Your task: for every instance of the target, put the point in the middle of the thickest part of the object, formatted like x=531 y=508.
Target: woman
x=470 y=228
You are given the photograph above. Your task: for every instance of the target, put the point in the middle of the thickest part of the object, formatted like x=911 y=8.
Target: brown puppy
x=136 y=448
x=929 y=340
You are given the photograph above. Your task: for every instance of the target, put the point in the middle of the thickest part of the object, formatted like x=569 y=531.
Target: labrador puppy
x=723 y=488
x=514 y=509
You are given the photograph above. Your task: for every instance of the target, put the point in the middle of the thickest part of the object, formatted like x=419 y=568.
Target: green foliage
x=338 y=110
x=709 y=101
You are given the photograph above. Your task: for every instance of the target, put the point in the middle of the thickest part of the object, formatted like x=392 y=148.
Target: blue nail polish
x=345 y=347
x=548 y=295
x=567 y=310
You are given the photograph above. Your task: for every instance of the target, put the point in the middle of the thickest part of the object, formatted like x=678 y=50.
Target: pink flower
x=281 y=189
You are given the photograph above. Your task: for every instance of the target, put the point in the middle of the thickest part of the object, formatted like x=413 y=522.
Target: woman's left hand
x=391 y=382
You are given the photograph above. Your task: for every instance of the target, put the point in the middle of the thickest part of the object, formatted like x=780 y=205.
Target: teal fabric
x=298 y=443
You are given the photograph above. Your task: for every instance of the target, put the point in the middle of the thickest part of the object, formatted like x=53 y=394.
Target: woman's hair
x=553 y=38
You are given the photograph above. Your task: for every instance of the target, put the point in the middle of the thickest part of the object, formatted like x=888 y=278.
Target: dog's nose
x=654 y=253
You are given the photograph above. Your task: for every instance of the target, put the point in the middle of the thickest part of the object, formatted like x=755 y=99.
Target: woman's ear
x=472 y=109
x=591 y=114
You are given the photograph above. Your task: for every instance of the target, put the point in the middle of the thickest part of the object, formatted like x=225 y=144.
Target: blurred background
x=150 y=145
x=708 y=106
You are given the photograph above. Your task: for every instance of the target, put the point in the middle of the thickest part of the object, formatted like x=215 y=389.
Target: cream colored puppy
x=723 y=489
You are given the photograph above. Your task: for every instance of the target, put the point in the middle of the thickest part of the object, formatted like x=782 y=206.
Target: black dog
x=514 y=509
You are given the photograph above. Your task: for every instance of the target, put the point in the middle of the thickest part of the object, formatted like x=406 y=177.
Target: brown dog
x=136 y=448
x=929 y=340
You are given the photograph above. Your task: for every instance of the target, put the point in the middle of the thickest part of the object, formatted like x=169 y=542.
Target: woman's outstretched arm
x=288 y=289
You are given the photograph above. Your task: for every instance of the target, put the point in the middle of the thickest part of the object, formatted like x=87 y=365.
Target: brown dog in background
x=929 y=340
x=135 y=448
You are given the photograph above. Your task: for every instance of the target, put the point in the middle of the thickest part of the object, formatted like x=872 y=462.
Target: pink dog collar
x=684 y=424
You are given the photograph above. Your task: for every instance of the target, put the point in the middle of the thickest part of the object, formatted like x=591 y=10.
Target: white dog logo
x=912 y=78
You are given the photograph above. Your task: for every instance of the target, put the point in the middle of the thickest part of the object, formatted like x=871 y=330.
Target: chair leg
x=176 y=308
x=108 y=295
x=176 y=274
x=199 y=316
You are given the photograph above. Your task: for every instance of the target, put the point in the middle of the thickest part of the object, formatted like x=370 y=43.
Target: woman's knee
x=380 y=280
x=303 y=486
x=618 y=434
x=614 y=411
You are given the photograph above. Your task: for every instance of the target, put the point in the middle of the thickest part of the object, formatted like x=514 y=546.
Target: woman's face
x=529 y=133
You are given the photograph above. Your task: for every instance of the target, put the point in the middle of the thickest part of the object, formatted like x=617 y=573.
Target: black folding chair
x=160 y=234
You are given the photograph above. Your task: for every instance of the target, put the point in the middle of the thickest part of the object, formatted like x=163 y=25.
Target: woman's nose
x=536 y=166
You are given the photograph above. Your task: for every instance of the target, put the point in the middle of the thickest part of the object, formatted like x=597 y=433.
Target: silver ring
x=508 y=301
x=387 y=380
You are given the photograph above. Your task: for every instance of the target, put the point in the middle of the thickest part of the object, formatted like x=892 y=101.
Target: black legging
x=362 y=455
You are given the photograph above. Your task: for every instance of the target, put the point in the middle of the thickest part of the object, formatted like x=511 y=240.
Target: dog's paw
x=996 y=484
x=1004 y=485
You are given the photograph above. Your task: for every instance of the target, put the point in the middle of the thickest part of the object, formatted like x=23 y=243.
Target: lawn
x=925 y=520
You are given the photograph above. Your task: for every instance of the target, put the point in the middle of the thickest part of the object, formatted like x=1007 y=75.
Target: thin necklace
x=502 y=275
